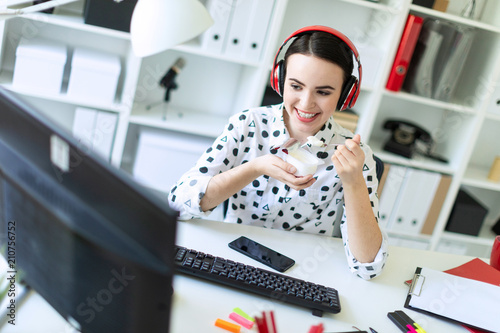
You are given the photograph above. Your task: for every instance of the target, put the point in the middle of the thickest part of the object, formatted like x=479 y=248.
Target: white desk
x=197 y=303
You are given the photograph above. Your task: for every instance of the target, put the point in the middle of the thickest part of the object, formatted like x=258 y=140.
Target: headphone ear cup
x=347 y=97
x=277 y=82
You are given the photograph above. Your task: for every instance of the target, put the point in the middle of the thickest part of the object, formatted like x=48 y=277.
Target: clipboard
x=450 y=297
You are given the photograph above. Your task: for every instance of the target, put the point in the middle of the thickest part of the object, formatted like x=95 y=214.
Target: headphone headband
x=348 y=97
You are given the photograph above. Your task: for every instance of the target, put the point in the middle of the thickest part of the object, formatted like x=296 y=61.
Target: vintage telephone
x=408 y=138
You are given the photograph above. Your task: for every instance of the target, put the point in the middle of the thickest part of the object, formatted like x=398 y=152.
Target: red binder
x=405 y=51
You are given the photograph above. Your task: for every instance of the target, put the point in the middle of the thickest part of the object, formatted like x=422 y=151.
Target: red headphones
x=349 y=94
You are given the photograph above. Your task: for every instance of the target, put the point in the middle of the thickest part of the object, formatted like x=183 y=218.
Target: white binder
x=104 y=133
x=95 y=130
x=83 y=125
x=238 y=27
x=214 y=38
x=388 y=200
x=258 y=29
x=415 y=201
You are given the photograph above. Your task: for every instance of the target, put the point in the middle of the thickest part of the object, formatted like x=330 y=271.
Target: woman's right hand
x=277 y=168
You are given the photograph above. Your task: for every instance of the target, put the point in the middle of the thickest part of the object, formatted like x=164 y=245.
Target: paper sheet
x=464 y=300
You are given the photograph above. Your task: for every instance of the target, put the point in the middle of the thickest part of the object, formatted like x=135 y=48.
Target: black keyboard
x=276 y=286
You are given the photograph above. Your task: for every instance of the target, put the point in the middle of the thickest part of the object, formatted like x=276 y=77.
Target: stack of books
x=347 y=118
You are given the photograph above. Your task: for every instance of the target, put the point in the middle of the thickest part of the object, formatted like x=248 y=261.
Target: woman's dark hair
x=326 y=46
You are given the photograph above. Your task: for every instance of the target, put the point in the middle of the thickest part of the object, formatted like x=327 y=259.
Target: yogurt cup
x=305 y=162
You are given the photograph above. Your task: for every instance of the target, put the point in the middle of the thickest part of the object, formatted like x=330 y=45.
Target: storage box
x=111 y=14
x=39 y=65
x=467 y=215
x=163 y=157
x=94 y=75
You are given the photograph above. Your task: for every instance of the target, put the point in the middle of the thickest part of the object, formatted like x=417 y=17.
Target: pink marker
x=240 y=320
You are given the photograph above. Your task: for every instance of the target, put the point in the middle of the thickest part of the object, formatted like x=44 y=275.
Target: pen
x=372 y=330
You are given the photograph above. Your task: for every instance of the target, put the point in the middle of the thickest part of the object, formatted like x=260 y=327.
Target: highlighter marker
x=419 y=329
x=243 y=314
x=410 y=321
x=411 y=328
x=227 y=326
x=398 y=321
x=241 y=320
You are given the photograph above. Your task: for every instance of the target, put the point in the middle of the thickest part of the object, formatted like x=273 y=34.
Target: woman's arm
x=365 y=237
x=225 y=184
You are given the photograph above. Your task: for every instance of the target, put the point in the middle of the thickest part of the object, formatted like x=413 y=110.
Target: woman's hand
x=275 y=167
x=348 y=161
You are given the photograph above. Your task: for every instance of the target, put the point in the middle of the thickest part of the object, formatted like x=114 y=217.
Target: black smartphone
x=262 y=253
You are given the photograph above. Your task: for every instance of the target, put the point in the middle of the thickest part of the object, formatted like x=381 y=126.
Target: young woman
x=245 y=166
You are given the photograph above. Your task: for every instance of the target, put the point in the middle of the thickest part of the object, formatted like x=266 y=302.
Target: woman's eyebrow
x=319 y=87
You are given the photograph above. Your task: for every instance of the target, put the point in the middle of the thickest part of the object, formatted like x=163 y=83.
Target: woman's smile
x=306 y=116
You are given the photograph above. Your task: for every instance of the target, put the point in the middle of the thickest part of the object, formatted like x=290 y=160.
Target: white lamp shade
x=158 y=25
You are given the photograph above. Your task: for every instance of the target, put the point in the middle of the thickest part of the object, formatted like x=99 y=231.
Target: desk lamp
x=158 y=25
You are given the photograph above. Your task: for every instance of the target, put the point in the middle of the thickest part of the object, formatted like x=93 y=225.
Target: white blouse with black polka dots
x=268 y=202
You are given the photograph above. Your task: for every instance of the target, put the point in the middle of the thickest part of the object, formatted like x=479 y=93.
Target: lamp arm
x=32 y=9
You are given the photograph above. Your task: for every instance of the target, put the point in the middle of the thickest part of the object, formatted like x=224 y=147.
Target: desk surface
x=197 y=303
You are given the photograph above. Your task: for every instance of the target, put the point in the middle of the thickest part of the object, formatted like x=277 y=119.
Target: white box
x=163 y=157
x=94 y=75
x=39 y=65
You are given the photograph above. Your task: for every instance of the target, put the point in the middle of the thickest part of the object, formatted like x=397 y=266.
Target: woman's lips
x=306 y=116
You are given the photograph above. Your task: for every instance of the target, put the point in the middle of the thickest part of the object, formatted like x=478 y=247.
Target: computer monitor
x=97 y=246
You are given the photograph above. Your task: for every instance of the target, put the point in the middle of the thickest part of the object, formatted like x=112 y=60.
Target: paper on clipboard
x=463 y=300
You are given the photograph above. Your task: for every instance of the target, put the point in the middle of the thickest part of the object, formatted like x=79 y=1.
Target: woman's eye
x=323 y=93
x=295 y=86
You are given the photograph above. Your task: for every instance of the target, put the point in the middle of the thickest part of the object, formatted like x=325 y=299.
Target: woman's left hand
x=348 y=161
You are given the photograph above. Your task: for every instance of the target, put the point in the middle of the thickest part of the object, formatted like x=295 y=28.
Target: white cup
x=305 y=162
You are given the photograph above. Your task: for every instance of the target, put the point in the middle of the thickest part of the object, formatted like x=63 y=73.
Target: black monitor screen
x=97 y=246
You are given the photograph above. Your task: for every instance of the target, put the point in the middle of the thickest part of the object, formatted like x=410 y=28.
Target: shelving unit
x=213 y=86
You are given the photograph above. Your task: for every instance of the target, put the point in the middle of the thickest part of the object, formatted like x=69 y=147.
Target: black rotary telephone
x=406 y=137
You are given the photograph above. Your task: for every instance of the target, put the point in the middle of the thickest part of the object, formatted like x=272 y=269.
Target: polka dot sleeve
x=367 y=271
x=186 y=194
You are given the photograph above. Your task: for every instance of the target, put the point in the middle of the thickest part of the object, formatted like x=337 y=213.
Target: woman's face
x=311 y=93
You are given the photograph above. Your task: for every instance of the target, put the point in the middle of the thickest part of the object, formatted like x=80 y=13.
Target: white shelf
x=430 y=102
x=492 y=116
x=455 y=18
x=374 y=5
x=74 y=20
x=182 y=120
x=477 y=176
x=481 y=239
x=417 y=161
x=6 y=81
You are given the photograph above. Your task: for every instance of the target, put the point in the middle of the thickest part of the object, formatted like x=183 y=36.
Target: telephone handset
x=405 y=137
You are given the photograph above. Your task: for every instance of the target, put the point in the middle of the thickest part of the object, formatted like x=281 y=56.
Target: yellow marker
x=243 y=314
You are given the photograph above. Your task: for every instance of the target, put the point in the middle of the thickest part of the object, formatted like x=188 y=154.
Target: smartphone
x=262 y=253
